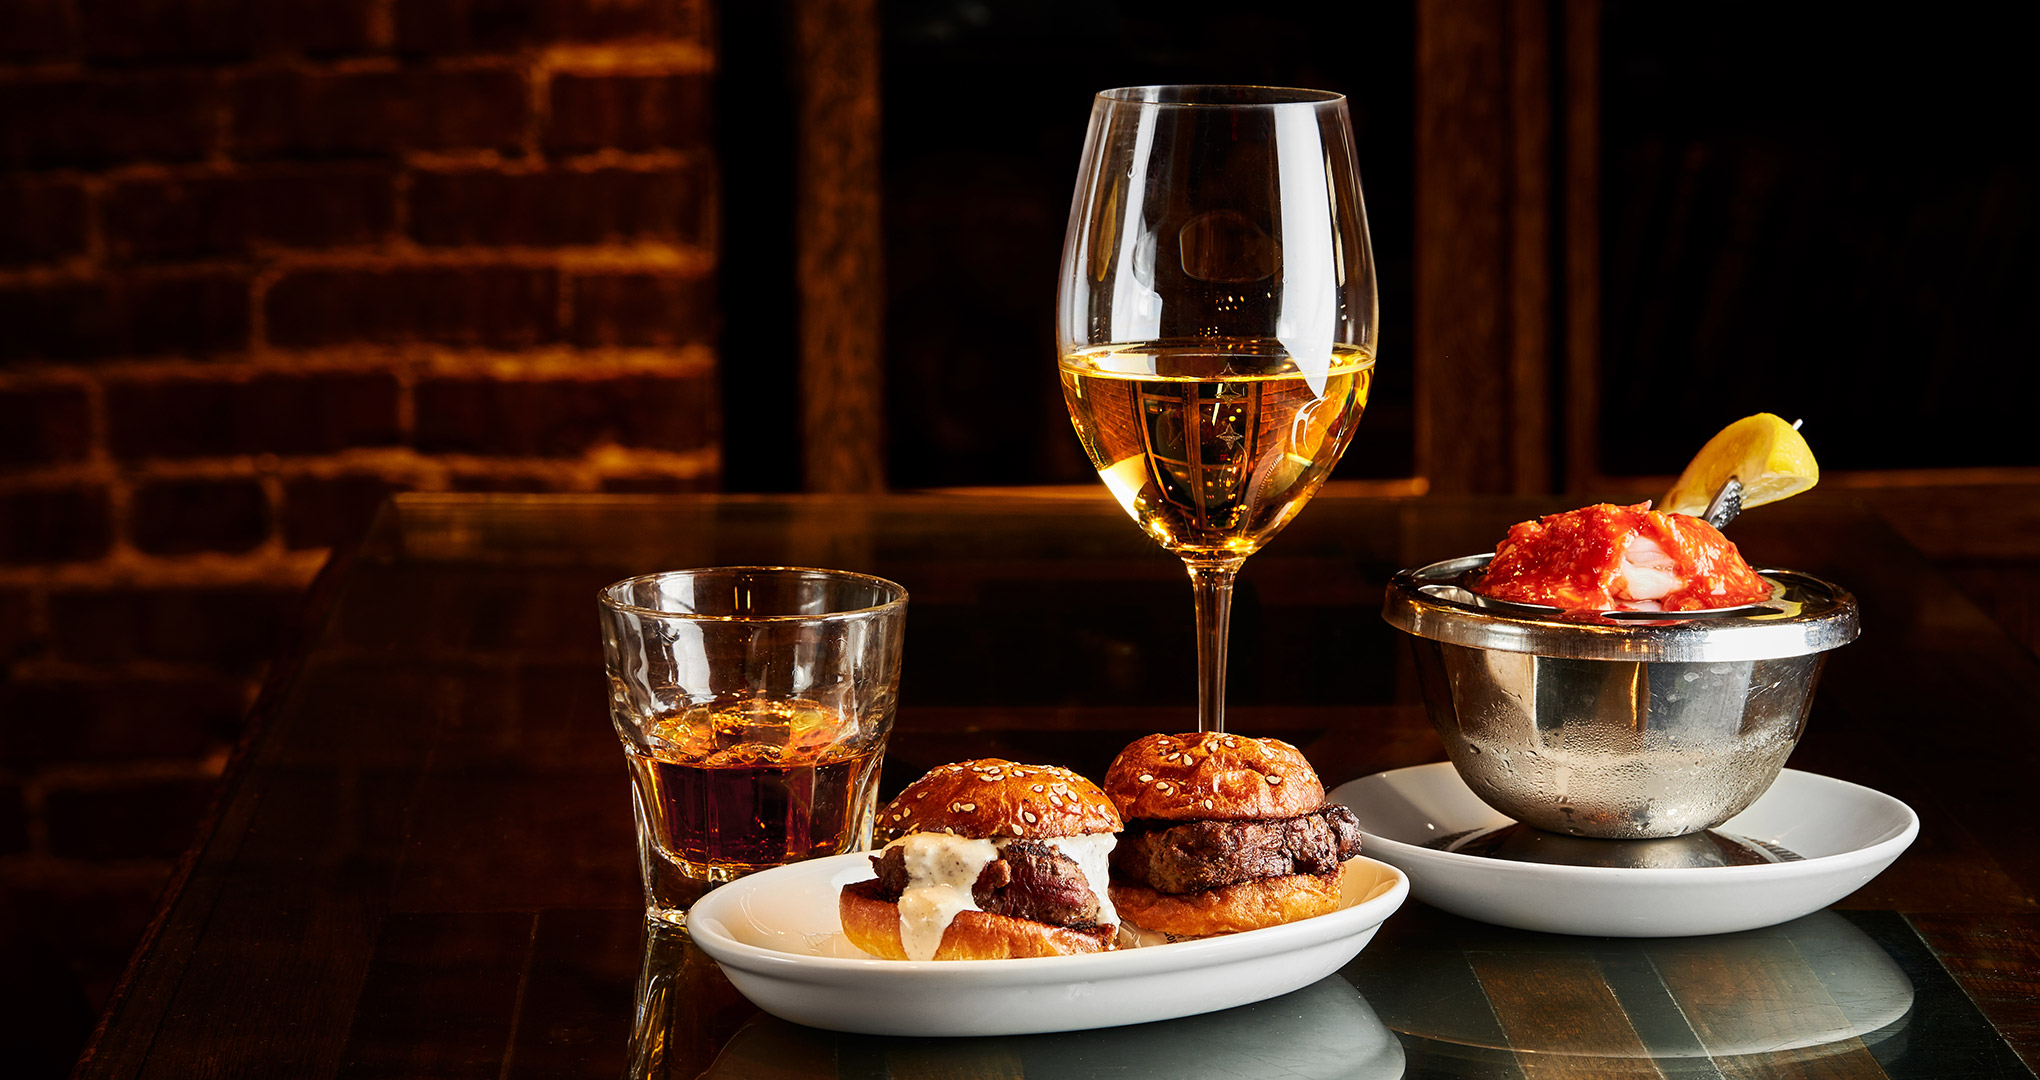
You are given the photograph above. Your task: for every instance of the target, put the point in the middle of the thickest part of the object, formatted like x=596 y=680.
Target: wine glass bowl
x=1216 y=321
x=1212 y=446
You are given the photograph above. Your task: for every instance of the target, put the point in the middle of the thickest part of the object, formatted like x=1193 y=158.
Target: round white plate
x=1845 y=834
x=778 y=939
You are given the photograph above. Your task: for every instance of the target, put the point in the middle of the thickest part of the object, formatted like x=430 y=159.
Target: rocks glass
x=753 y=703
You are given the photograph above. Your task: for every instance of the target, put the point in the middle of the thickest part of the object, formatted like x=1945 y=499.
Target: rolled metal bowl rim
x=1804 y=615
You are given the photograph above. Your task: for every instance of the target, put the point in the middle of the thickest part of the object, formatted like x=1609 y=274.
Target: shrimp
x=1621 y=558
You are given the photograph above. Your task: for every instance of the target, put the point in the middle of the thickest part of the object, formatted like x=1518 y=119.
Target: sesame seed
x=1028 y=815
x=1274 y=778
x=1147 y=778
x=1040 y=787
x=1207 y=804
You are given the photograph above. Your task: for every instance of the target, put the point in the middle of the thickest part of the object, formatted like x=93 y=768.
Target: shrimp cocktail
x=1621 y=671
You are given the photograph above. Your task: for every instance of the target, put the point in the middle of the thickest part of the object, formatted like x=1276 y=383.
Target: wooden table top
x=423 y=862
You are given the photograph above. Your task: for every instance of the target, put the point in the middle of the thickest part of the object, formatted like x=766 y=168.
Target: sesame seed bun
x=1212 y=776
x=991 y=798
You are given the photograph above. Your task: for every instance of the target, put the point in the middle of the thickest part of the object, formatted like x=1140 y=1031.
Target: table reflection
x=1324 y=1030
x=1814 y=987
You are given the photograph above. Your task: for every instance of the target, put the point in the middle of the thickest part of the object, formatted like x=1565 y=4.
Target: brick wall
x=260 y=263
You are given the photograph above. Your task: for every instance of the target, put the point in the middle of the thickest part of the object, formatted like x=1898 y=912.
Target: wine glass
x=1215 y=321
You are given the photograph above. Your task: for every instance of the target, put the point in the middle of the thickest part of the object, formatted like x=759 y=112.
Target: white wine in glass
x=1216 y=321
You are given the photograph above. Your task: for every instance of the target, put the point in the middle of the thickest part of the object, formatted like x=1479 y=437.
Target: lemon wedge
x=1767 y=454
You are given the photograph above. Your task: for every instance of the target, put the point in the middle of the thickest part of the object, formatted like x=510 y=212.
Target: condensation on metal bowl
x=1624 y=725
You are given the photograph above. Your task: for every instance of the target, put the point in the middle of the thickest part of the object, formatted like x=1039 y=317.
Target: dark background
x=1822 y=215
x=985 y=106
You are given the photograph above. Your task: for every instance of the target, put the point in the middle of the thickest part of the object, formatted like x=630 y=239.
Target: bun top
x=1212 y=776
x=991 y=797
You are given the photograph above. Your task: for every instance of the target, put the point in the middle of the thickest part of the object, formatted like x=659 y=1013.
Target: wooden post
x=1484 y=260
x=1582 y=114
x=839 y=246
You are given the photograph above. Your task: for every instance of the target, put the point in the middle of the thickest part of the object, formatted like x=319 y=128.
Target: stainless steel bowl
x=1621 y=725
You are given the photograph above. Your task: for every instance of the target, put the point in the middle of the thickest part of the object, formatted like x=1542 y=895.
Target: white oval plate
x=1844 y=833
x=777 y=937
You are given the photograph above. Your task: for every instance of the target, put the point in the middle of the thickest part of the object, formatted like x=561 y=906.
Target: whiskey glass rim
x=1219 y=96
x=612 y=596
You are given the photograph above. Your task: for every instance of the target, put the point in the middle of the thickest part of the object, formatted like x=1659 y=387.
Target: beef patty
x=1183 y=857
x=1030 y=880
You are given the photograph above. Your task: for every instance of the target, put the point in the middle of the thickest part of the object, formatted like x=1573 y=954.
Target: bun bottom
x=1228 y=909
x=872 y=923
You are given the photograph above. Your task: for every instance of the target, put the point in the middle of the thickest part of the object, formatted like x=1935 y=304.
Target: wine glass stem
x=1212 y=585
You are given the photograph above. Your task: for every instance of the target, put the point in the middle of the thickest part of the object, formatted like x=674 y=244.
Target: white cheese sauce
x=941 y=869
x=1090 y=854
